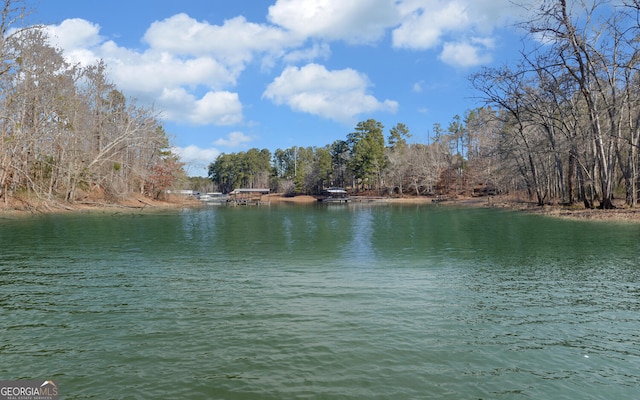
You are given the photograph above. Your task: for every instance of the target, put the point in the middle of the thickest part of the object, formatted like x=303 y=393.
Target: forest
x=561 y=126
x=454 y=162
x=66 y=132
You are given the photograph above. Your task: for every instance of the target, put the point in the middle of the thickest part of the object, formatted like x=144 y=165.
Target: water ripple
x=372 y=303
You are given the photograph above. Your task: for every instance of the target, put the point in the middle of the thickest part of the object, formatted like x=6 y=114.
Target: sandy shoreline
x=138 y=205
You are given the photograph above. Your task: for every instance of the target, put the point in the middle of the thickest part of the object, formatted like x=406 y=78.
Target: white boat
x=335 y=195
x=213 y=198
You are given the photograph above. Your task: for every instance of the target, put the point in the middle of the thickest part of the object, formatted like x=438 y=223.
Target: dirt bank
x=277 y=198
x=20 y=207
x=621 y=213
x=576 y=212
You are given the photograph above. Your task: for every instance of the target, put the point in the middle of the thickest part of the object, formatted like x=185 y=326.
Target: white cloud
x=416 y=24
x=197 y=160
x=417 y=87
x=157 y=76
x=354 y=21
x=190 y=66
x=194 y=153
x=149 y=71
x=423 y=28
x=75 y=33
x=77 y=38
x=467 y=54
x=317 y=51
x=447 y=25
x=219 y=108
x=235 y=42
x=234 y=139
x=152 y=72
x=339 y=95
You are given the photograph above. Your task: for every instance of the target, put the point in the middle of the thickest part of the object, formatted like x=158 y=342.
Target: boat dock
x=214 y=198
x=335 y=195
x=249 y=197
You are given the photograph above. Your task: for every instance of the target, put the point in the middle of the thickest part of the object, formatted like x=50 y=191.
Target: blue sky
x=228 y=76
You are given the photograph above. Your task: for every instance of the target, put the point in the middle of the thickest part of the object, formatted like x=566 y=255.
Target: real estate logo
x=28 y=390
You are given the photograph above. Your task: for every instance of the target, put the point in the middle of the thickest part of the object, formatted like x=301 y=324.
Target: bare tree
x=66 y=129
x=573 y=101
x=590 y=51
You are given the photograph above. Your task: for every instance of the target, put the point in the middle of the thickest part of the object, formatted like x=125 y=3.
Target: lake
x=322 y=302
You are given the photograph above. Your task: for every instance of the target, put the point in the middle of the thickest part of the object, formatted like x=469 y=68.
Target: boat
x=214 y=198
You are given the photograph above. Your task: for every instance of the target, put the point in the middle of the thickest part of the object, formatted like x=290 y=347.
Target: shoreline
x=576 y=212
x=134 y=205
x=139 y=204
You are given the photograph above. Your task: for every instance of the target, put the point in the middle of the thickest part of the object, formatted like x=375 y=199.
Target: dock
x=249 y=197
x=213 y=198
x=440 y=199
x=335 y=195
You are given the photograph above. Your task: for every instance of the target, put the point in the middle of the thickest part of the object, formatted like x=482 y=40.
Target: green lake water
x=322 y=302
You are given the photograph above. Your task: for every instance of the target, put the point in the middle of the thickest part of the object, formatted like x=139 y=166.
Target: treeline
x=455 y=161
x=570 y=110
x=562 y=125
x=66 y=132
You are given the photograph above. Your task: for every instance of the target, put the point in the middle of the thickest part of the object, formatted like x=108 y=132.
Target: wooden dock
x=335 y=200
x=440 y=199
x=249 y=197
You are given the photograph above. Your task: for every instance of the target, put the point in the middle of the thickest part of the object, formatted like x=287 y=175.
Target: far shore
x=575 y=212
x=140 y=204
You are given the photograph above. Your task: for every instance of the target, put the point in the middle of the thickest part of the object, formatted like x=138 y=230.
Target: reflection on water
x=360 y=246
x=322 y=302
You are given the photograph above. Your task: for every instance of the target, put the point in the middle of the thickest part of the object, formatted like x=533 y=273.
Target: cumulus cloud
x=423 y=28
x=467 y=54
x=75 y=33
x=190 y=67
x=477 y=13
x=354 y=21
x=339 y=95
x=446 y=25
x=317 y=51
x=219 y=108
x=157 y=75
x=233 y=139
x=195 y=153
x=197 y=159
x=151 y=72
x=77 y=38
x=235 y=42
